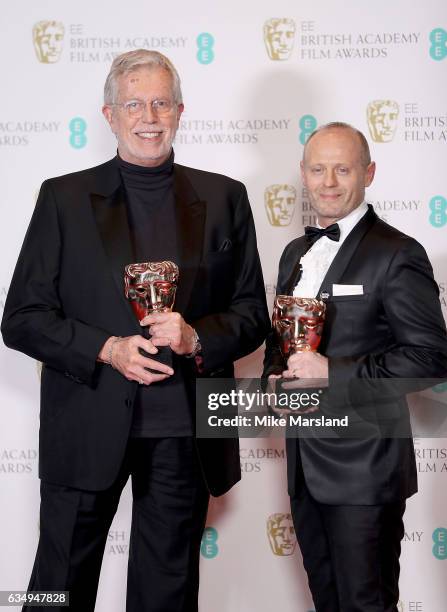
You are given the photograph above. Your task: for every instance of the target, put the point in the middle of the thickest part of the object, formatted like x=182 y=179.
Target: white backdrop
x=252 y=95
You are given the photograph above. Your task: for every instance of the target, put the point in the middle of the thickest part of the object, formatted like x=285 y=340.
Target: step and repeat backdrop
x=257 y=79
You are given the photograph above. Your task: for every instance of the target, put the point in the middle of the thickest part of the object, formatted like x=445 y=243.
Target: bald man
x=383 y=321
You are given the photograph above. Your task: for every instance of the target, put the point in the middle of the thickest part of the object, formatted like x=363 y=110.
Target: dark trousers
x=170 y=502
x=350 y=553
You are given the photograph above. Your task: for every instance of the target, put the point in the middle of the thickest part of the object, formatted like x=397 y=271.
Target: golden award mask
x=298 y=323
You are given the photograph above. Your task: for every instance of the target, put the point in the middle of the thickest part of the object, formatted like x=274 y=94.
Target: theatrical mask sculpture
x=150 y=287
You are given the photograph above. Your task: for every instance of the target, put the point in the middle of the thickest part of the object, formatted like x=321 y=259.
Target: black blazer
x=395 y=330
x=66 y=298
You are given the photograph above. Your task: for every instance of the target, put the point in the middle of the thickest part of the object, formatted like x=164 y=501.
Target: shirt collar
x=348 y=223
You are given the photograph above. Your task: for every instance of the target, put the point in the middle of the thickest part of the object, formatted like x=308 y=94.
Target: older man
x=109 y=407
x=383 y=321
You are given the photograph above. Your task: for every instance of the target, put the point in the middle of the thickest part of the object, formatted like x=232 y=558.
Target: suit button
x=128 y=402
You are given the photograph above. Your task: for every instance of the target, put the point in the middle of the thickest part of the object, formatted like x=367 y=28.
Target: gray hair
x=140 y=58
x=365 y=152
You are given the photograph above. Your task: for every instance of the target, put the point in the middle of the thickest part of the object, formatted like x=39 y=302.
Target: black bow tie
x=314 y=233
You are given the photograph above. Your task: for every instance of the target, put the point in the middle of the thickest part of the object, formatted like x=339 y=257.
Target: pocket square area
x=226 y=245
x=347 y=290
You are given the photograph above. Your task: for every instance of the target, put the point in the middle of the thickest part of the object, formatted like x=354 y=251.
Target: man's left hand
x=307 y=364
x=170 y=329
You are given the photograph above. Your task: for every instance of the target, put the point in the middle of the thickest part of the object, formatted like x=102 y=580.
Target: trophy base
x=164 y=355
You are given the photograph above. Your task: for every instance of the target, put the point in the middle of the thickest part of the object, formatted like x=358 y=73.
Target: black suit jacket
x=67 y=297
x=395 y=330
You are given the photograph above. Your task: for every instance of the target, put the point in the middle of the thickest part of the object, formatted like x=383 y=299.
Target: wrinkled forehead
x=145 y=76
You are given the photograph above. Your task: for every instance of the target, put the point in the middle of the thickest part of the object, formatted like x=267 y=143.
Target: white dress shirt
x=315 y=263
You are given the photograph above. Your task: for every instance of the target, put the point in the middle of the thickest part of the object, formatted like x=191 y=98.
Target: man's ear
x=303 y=176
x=370 y=172
x=180 y=109
x=107 y=111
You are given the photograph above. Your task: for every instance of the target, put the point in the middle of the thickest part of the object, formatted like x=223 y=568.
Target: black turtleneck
x=161 y=410
x=151 y=209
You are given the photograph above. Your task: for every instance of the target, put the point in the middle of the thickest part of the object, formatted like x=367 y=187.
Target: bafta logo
x=382 y=118
x=279 y=203
x=48 y=38
x=281 y=534
x=279 y=36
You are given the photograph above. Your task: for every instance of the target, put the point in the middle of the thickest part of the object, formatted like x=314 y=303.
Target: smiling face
x=146 y=139
x=335 y=173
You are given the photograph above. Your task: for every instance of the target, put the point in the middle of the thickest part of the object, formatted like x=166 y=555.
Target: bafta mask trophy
x=298 y=323
x=150 y=287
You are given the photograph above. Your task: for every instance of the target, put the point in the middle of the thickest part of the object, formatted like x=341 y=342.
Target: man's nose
x=148 y=113
x=330 y=178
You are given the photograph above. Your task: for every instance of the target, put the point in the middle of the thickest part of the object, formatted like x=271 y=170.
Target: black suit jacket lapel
x=190 y=214
x=110 y=212
x=346 y=253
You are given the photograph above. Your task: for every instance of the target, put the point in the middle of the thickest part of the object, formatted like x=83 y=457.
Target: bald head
x=364 y=152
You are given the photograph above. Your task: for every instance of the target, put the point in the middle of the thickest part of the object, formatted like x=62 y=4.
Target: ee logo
x=308 y=124
x=438 y=207
x=438 y=48
x=208 y=547
x=205 y=43
x=77 y=127
x=440 y=539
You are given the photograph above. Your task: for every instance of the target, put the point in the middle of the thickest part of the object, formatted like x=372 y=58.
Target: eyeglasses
x=135 y=108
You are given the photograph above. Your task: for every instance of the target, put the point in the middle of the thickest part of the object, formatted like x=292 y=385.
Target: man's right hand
x=126 y=358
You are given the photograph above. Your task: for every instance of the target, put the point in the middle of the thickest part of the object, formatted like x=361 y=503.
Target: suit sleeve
x=33 y=320
x=418 y=341
x=229 y=335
